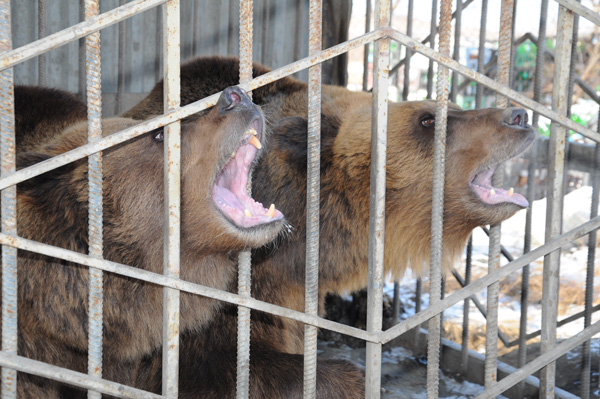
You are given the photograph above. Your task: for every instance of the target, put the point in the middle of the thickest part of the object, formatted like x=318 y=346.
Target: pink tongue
x=228 y=198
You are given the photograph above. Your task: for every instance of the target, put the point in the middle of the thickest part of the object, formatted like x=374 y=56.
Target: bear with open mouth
x=219 y=150
x=478 y=142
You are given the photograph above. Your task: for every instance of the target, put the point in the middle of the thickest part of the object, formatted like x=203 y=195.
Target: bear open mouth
x=481 y=184
x=230 y=191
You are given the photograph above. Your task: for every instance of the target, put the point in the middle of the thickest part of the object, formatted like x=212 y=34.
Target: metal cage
x=382 y=35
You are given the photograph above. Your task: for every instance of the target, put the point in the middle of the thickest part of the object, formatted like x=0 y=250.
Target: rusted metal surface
x=437 y=207
x=172 y=210
x=72 y=377
x=94 y=107
x=503 y=78
x=313 y=185
x=581 y=10
x=495 y=86
x=555 y=201
x=244 y=258
x=9 y=208
x=381 y=67
x=23 y=53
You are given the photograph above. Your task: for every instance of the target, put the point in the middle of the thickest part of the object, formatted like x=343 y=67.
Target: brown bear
x=218 y=150
x=478 y=142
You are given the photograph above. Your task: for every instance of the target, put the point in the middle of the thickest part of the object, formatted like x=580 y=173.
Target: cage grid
x=374 y=336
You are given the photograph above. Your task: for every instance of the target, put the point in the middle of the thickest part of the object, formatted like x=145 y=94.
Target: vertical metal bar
x=408 y=55
x=437 y=204
x=94 y=106
x=537 y=93
x=365 y=83
x=265 y=31
x=464 y=352
x=381 y=68
x=82 y=77
x=41 y=34
x=556 y=151
x=396 y=303
x=159 y=36
x=586 y=359
x=311 y=299
x=432 y=34
x=9 y=207
x=245 y=262
x=172 y=226
x=491 y=346
x=121 y=62
x=481 y=52
x=456 y=54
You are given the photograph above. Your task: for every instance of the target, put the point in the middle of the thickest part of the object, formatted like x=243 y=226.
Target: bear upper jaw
x=230 y=190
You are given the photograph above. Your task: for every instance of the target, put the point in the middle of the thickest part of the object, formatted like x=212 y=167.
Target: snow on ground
x=573 y=270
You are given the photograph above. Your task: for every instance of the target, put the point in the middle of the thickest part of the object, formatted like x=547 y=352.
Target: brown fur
x=52 y=209
x=476 y=139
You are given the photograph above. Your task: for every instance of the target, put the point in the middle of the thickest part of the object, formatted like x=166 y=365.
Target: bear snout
x=234 y=98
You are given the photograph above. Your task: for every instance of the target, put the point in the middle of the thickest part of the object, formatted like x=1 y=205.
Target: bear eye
x=428 y=121
x=159 y=136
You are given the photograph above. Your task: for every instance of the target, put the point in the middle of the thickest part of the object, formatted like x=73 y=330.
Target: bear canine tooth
x=271 y=212
x=247 y=213
x=255 y=142
x=492 y=192
x=251 y=131
x=511 y=191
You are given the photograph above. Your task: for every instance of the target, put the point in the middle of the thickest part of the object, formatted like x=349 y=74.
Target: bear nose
x=233 y=98
x=515 y=116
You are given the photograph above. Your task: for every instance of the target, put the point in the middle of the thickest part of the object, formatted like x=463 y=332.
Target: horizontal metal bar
x=581 y=10
x=493 y=85
x=71 y=377
x=496 y=275
x=560 y=323
x=182 y=285
x=183 y=112
x=546 y=358
x=75 y=32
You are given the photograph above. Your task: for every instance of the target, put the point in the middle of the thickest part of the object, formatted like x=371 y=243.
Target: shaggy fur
x=52 y=208
x=476 y=140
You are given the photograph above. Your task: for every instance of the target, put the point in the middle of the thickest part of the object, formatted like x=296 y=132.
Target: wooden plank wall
x=207 y=27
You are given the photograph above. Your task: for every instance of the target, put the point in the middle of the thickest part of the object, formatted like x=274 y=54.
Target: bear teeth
x=271 y=212
x=255 y=142
x=247 y=213
x=251 y=131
